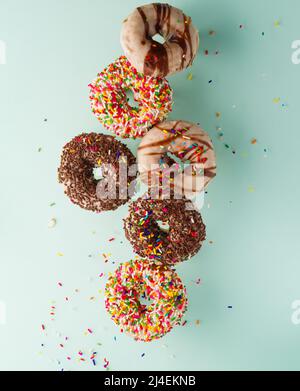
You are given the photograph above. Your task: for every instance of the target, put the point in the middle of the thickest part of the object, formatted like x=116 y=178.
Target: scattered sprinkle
x=52 y=223
x=277 y=23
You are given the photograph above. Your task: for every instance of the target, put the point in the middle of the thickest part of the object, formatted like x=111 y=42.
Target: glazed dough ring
x=153 y=58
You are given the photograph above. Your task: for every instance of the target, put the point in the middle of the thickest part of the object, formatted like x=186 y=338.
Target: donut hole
x=145 y=301
x=172 y=157
x=159 y=38
x=98 y=174
x=131 y=101
x=163 y=225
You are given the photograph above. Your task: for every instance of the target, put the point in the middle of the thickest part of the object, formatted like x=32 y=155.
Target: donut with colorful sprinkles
x=145 y=299
x=110 y=104
x=88 y=159
x=166 y=230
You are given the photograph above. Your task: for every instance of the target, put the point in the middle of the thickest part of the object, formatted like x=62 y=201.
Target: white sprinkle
x=52 y=223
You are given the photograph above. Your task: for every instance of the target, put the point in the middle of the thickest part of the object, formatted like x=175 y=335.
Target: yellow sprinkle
x=218 y=114
x=197 y=322
x=251 y=189
x=276 y=100
x=190 y=76
x=60 y=254
x=277 y=23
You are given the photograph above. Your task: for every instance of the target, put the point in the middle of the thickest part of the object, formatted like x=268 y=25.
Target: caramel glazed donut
x=182 y=140
x=153 y=58
x=157 y=283
x=166 y=231
x=90 y=151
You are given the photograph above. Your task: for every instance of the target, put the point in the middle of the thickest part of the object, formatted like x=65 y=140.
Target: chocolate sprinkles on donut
x=81 y=156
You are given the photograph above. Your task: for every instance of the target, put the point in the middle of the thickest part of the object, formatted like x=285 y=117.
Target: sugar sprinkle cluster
x=109 y=101
x=158 y=284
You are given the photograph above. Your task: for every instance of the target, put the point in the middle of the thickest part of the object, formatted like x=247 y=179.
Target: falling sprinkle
x=229 y=306
x=263 y=33
x=52 y=223
x=241 y=26
x=210 y=81
x=190 y=76
x=276 y=100
x=143 y=355
x=253 y=141
x=211 y=33
x=106 y=363
x=52 y=204
x=251 y=189
x=111 y=239
x=43 y=327
x=197 y=322
x=59 y=254
x=60 y=284
x=184 y=323
x=40 y=149
x=218 y=114
x=277 y=23
x=90 y=331
x=206 y=52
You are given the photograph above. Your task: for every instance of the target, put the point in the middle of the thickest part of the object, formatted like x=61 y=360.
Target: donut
x=81 y=156
x=153 y=58
x=162 y=230
x=184 y=141
x=159 y=285
x=110 y=104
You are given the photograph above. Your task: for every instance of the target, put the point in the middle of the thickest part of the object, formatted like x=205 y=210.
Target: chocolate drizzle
x=184 y=40
x=209 y=172
x=157 y=56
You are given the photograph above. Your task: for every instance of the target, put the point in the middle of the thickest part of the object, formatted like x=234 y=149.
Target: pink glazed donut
x=153 y=58
x=167 y=147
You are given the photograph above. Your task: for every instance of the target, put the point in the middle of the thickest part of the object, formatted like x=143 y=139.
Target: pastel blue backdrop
x=249 y=267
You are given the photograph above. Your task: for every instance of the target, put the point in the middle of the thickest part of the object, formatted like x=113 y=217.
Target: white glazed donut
x=177 y=140
x=153 y=58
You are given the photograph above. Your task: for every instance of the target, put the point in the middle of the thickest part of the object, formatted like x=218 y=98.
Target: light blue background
x=54 y=49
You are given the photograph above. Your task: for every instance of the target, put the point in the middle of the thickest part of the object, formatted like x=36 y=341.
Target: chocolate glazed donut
x=83 y=154
x=153 y=58
x=170 y=245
